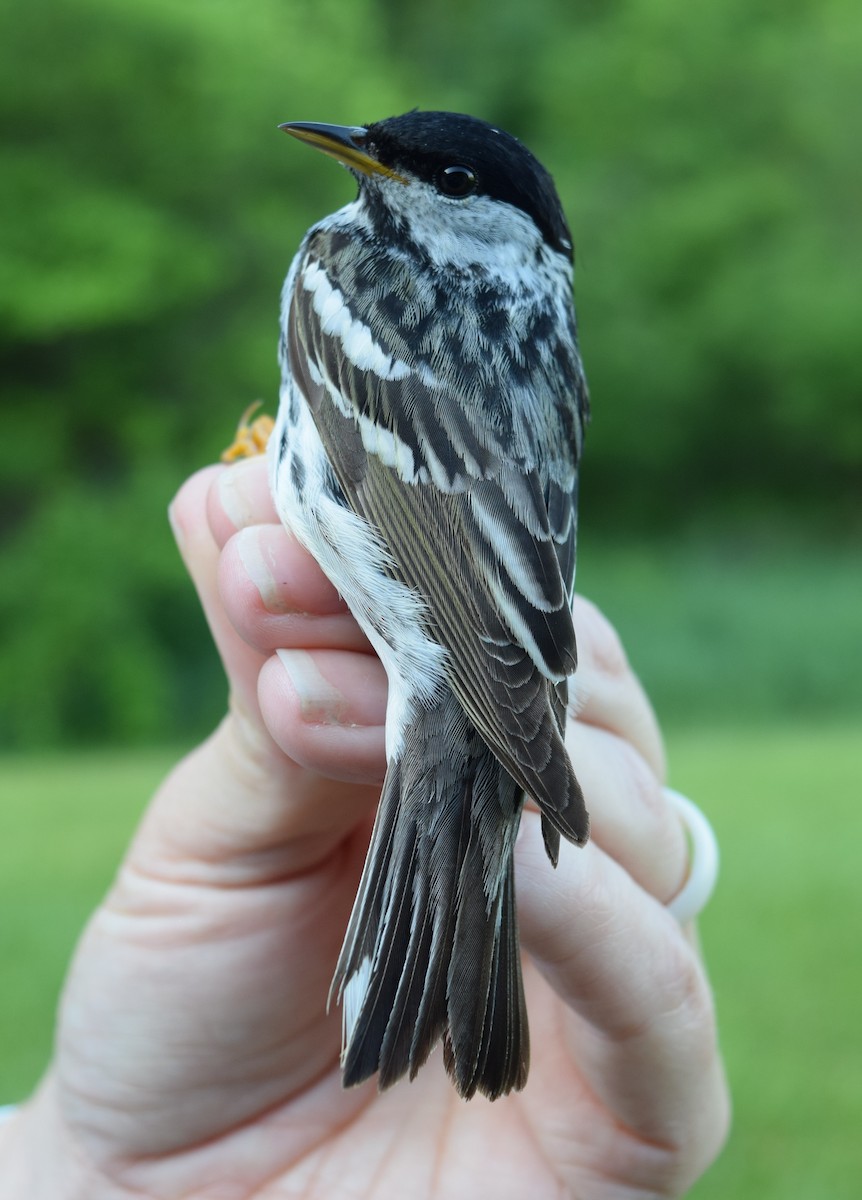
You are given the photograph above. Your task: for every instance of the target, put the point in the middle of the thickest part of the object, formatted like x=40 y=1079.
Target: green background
x=708 y=158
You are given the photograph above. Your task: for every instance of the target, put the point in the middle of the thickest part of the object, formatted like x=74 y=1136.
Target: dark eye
x=456 y=181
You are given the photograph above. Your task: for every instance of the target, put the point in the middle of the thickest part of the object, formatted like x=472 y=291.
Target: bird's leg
x=251 y=437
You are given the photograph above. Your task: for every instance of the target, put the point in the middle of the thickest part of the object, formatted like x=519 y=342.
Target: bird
x=431 y=417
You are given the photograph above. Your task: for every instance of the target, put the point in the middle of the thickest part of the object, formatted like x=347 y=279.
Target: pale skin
x=195 y=1058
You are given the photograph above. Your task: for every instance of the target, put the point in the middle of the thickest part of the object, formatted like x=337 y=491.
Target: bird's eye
x=457 y=181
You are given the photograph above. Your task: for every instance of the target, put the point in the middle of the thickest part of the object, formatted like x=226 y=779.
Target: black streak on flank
x=297 y=472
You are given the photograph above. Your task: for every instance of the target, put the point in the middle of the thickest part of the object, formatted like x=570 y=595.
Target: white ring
x=703 y=867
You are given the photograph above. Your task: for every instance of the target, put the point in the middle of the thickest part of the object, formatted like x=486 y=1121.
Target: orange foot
x=250 y=438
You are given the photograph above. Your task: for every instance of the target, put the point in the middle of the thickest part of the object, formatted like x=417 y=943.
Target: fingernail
x=319 y=702
x=234 y=493
x=258 y=558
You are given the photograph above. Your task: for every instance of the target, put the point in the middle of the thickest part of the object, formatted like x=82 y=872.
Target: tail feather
x=499 y=1062
x=395 y=1047
x=431 y=949
x=370 y=989
x=475 y=955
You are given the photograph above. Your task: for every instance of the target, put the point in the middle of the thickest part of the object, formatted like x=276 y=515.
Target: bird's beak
x=345 y=143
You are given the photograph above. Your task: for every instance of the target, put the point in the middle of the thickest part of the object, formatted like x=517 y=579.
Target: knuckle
x=688 y=997
x=659 y=826
x=645 y=788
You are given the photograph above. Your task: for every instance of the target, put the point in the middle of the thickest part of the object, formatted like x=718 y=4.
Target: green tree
x=707 y=157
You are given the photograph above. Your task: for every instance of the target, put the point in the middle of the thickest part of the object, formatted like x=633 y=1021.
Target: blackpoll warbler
x=425 y=452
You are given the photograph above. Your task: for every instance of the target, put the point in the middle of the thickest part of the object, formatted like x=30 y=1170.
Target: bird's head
x=455 y=186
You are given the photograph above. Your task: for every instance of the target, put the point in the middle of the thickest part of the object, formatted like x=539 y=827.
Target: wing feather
x=479 y=522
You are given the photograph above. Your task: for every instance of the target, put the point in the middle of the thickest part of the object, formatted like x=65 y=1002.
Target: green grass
x=781 y=934
x=735 y=624
x=782 y=938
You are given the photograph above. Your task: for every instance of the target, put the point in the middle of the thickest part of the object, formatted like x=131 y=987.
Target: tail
x=431 y=949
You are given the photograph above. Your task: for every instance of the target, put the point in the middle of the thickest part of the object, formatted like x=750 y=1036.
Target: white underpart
x=346 y=547
x=350 y=552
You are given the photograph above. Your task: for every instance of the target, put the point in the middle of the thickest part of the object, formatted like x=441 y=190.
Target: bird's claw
x=251 y=437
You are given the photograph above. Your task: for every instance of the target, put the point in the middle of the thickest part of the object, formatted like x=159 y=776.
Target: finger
x=238 y=808
x=239 y=812
x=630 y=818
x=606 y=692
x=616 y=746
x=200 y=553
x=277 y=596
x=642 y=1027
x=240 y=497
x=326 y=710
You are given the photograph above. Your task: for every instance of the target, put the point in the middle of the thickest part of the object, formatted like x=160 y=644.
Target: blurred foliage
x=707 y=156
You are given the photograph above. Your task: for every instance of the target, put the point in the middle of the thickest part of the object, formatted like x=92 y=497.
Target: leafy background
x=708 y=158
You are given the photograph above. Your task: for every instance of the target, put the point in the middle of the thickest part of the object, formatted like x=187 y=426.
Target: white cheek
x=497 y=237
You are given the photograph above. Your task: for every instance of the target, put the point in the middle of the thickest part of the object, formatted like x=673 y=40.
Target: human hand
x=195 y=1056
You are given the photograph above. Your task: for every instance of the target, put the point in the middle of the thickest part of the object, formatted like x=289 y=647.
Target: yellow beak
x=344 y=143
